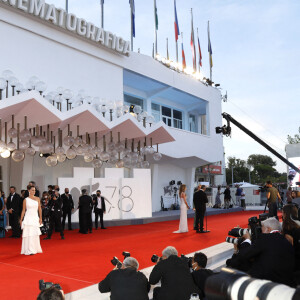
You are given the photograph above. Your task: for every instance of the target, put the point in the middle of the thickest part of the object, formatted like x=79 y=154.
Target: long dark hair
x=291 y=215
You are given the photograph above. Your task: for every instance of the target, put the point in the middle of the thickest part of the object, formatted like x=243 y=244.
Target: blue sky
x=255 y=46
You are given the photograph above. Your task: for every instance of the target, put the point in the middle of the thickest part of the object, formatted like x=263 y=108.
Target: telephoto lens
x=194 y=296
x=237 y=232
x=232 y=284
x=115 y=261
x=231 y=240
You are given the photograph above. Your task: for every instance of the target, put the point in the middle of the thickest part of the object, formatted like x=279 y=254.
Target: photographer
x=51 y=293
x=200 y=274
x=272 y=195
x=126 y=283
x=176 y=280
x=272 y=254
x=237 y=261
x=55 y=206
x=291 y=230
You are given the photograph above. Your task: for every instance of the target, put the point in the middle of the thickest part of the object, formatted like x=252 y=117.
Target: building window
x=155 y=111
x=166 y=113
x=131 y=100
x=193 y=123
x=177 y=119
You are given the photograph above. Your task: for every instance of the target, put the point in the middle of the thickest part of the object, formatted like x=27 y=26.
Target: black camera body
x=188 y=260
x=46 y=285
x=155 y=258
x=115 y=261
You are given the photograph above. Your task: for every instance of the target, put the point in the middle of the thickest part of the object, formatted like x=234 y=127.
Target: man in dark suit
x=68 y=207
x=200 y=200
x=99 y=209
x=126 y=283
x=85 y=206
x=176 y=280
x=272 y=254
x=14 y=207
x=55 y=206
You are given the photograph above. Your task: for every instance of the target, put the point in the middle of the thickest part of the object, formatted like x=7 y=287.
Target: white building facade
x=38 y=44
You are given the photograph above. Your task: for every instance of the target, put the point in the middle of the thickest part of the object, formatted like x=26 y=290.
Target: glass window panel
x=177 y=114
x=129 y=100
x=166 y=111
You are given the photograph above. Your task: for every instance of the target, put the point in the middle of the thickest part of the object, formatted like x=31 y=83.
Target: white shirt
x=99 y=202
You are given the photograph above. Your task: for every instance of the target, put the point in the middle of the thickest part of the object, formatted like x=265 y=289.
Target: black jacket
x=200 y=277
x=176 y=280
x=55 y=205
x=125 y=284
x=85 y=204
x=15 y=203
x=200 y=200
x=95 y=200
x=237 y=263
x=273 y=258
x=68 y=203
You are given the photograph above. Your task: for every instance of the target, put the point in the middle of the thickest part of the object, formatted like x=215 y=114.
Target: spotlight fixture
x=217 y=84
x=179 y=182
x=45 y=155
x=172 y=182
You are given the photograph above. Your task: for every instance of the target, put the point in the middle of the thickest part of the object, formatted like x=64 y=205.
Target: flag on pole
x=209 y=47
x=156 y=17
x=101 y=1
x=183 y=55
x=200 y=54
x=176 y=25
x=193 y=44
x=131 y=2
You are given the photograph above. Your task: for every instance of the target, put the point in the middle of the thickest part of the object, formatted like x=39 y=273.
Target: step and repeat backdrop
x=125 y=198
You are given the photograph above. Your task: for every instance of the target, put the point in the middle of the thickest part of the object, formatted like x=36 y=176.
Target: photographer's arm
x=155 y=275
x=104 y=285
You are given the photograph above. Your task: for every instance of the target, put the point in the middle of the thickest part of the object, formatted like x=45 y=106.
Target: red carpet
x=83 y=260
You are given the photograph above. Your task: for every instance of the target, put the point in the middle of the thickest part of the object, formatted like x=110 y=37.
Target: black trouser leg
x=101 y=218
x=273 y=209
x=197 y=219
x=58 y=224
x=51 y=225
x=64 y=219
x=202 y=213
x=96 y=219
x=69 y=220
x=15 y=225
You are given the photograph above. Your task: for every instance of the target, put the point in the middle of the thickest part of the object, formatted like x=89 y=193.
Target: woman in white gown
x=32 y=214
x=183 y=225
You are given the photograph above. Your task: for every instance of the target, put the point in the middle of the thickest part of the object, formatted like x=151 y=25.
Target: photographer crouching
x=271 y=254
x=126 y=282
x=176 y=280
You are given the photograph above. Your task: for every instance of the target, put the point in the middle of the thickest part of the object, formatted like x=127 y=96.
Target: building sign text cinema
x=212 y=169
x=61 y=18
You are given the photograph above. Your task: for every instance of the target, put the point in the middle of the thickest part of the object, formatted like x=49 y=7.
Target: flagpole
x=168 y=50
x=175 y=34
x=67 y=6
x=198 y=46
x=153 y=51
x=193 y=46
x=155 y=29
x=210 y=66
x=131 y=25
x=102 y=13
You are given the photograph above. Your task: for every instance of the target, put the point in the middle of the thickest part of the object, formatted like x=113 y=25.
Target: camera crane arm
x=229 y=119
